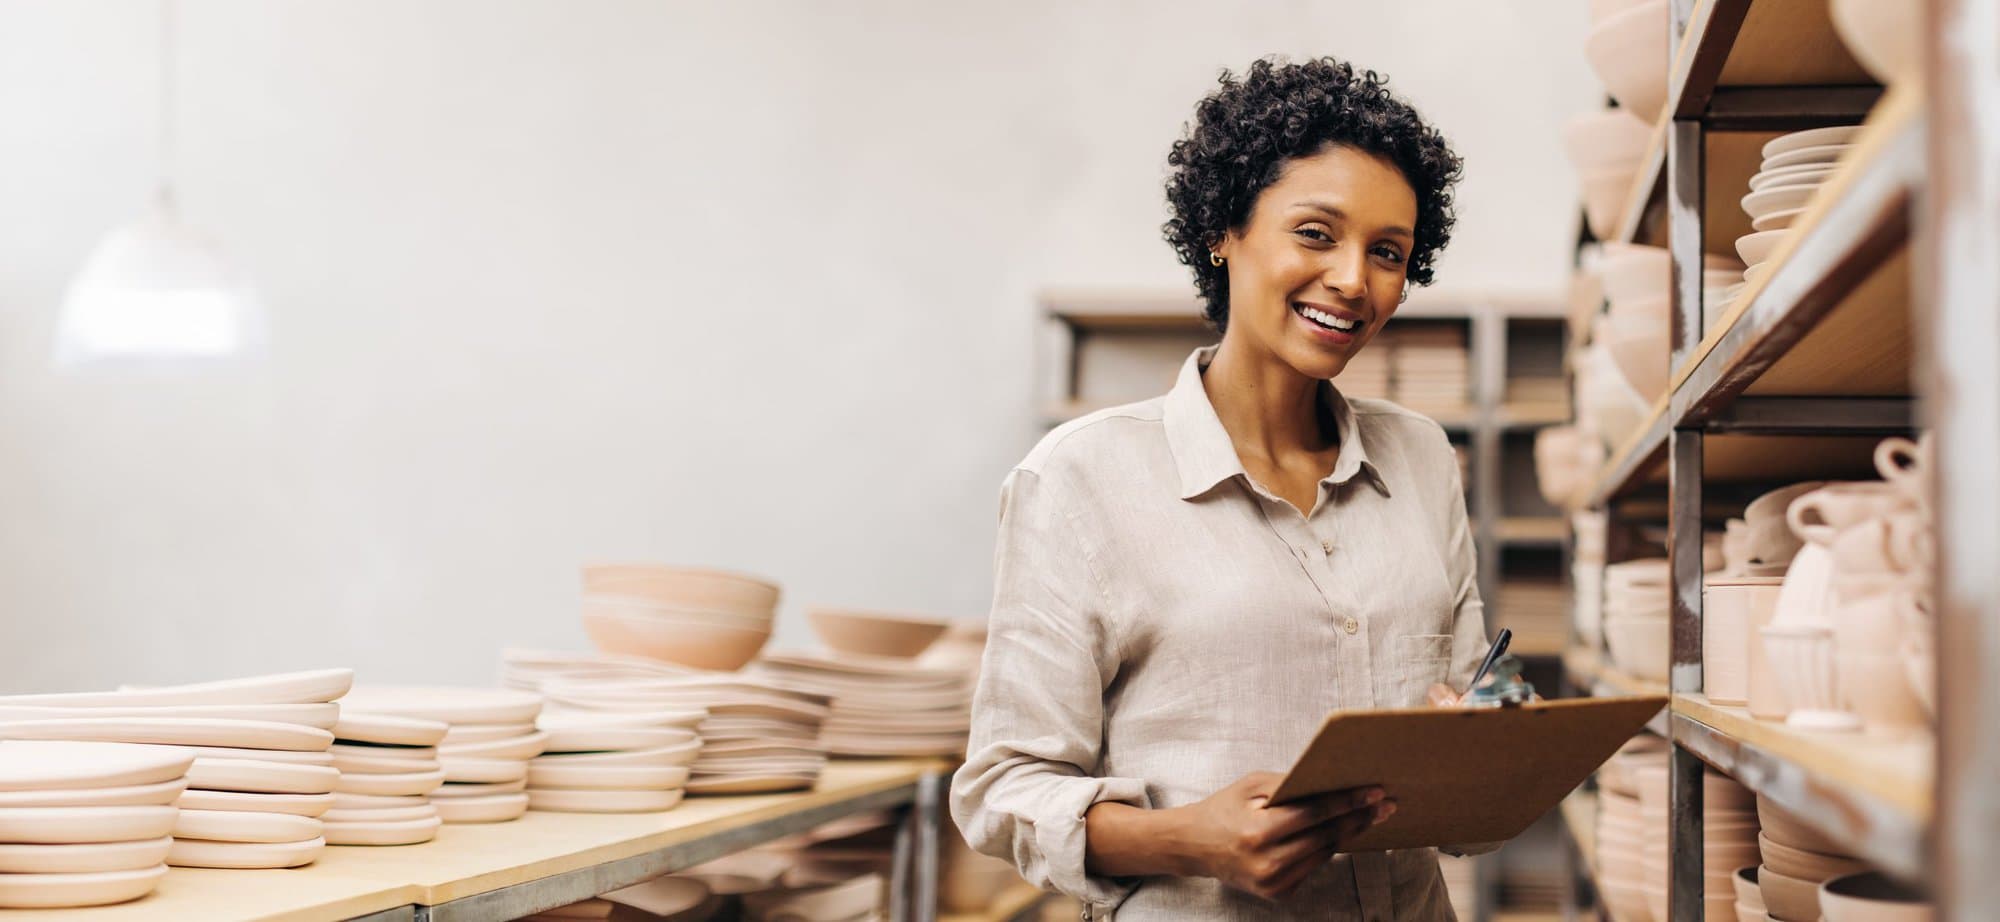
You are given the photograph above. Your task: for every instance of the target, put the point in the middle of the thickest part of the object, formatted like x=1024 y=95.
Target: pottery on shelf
x=629 y=777
x=242 y=826
x=422 y=811
x=261 y=777
x=313 y=687
x=525 y=746
x=1872 y=897
x=396 y=785
x=451 y=705
x=405 y=832
x=130 y=795
x=452 y=789
x=1629 y=53
x=1733 y=610
x=1802 y=658
x=40 y=765
x=1887 y=38
x=876 y=633
x=58 y=891
x=486 y=808
x=310 y=805
x=68 y=825
x=201 y=853
x=318 y=715
x=483 y=771
x=384 y=729
x=84 y=857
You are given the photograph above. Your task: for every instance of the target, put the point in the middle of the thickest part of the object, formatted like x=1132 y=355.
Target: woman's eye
x=1389 y=253
x=1314 y=233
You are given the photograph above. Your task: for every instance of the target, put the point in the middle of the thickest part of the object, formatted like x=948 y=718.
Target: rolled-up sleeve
x=1038 y=715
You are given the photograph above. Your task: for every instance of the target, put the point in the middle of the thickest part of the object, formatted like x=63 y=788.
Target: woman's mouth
x=1338 y=328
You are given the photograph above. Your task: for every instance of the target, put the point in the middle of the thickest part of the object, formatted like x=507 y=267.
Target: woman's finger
x=1441 y=696
x=1299 y=816
x=1308 y=851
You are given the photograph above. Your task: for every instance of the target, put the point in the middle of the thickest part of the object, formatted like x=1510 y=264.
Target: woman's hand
x=1239 y=839
x=1441 y=696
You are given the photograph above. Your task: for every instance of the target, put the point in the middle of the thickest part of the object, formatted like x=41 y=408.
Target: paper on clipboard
x=1461 y=776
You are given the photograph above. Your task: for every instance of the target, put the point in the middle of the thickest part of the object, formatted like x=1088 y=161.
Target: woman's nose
x=1346 y=273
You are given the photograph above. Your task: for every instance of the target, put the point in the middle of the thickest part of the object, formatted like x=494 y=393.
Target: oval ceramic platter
x=36 y=765
x=173 y=731
x=313 y=687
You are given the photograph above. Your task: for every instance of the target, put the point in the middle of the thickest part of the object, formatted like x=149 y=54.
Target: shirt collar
x=1203 y=454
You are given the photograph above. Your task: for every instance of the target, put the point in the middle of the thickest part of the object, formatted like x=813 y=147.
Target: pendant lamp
x=157 y=288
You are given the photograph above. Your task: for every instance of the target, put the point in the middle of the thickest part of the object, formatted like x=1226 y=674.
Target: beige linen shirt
x=1163 y=625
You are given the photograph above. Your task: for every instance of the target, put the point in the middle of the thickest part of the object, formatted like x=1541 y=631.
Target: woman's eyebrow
x=1394 y=230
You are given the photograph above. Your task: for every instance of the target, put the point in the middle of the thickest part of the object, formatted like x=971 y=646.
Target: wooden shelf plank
x=1738 y=43
x=1533 y=414
x=1579 y=814
x=1897 y=770
x=1013 y=903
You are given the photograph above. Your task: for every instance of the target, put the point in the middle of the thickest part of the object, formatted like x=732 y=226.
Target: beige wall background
x=746 y=284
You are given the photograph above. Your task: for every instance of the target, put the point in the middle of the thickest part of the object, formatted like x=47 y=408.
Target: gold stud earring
x=1215 y=259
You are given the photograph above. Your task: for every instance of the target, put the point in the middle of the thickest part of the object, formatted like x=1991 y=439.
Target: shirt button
x=1326 y=546
x=1351 y=626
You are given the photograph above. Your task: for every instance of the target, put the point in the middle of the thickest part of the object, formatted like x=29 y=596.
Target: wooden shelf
x=1873 y=793
x=1531 y=529
x=1738 y=43
x=1016 y=902
x=1525 y=414
x=1579 y=814
x=564 y=857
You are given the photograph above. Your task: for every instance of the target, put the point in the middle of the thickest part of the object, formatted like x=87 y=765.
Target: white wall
x=740 y=283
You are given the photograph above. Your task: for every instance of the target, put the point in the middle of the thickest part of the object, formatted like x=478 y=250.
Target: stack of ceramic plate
x=482 y=756
x=1795 y=166
x=388 y=769
x=613 y=761
x=85 y=824
x=881 y=706
x=1432 y=367
x=757 y=734
x=262 y=772
x=1621 y=828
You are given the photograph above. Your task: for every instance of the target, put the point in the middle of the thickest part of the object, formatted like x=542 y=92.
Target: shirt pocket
x=1422 y=660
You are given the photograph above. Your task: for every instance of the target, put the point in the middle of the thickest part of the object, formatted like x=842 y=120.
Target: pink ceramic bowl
x=702 y=646
x=1790 y=899
x=876 y=634
x=1783 y=828
x=689 y=587
x=1805 y=865
x=1872 y=897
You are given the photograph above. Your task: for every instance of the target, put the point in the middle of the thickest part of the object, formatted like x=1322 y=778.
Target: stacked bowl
x=613 y=761
x=1628 y=49
x=1729 y=838
x=475 y=772
x=1621 y=829
x=83 y=823
x=262 y=773
x=1797 y=859
x=881 y=706
x=1795 y=165
x=1637 y=629
x=704 y=619
x=1638 y=282
x=1607 y=149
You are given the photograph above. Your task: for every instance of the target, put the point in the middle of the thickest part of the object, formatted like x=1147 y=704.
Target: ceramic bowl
x=1782 y=827
x=876 y=634
x=1604 y=194
x=1797 y=175
x=1639 y=646
x=1628 y=51
x=1642 y=355
x=702 y=646
x=1610 y=139
x=1871 y=897
x=1805 y=865
x=1887 y=38
x=1744 y=881
x=1808 y=139
x=687 y=587
x=1789 y=898
x=1819 y=154
x=1876 y=688
x=1773 y=200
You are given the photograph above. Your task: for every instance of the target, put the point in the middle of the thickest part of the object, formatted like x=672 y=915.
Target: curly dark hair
x=1245 y=132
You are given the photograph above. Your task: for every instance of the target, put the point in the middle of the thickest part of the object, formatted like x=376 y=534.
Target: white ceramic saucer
x=387 y=729
x=134 y=795
x=484 y=771
x=295 y=757
x=45 y=765
x=313 y=687
x=452 y=789
x=519 y=747
x=484 y=733
x=422 y=811
x=556 y=800
x=83 y=858
x=489 y=808
x=382 y=765
x=376 y=801
x=321 y=716
x=608 y=739
x=258 y=776
x=243 y=826
x=294 y=804
x=173 y=731
x=613 y=777
x=197 y=853
x=407 y=832
x=679 y=754
x=56 y=891
x=448 y=704
x=403 y=784
x=64 y=825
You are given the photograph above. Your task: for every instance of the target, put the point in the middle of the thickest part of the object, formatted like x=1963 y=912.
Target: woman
x=1186 y=586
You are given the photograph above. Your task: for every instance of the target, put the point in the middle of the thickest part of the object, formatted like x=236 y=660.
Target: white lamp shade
x=157 y=288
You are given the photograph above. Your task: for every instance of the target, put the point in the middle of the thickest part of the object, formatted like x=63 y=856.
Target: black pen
x=1499 y=647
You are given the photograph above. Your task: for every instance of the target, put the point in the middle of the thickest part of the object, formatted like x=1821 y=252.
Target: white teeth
x=1328 y=320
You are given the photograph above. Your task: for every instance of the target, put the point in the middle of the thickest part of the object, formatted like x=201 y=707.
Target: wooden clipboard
x=1464 y=776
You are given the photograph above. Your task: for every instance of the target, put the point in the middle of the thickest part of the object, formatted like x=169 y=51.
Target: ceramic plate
x=598 y=801
x=627 y=720
x=421 y=811
x=376 y=801
x=196 y=853
x=519 y=747
x=84 y=858
x=133 y=795
x=1814 y=137
x=490 y=808
x=321 y=716
x=1777 y=219
x=383 y=750
x=452 y=789
x=786 y=766
x=750 y=784
x=52 y=891
x=484 y=771
x=43 y=765
x=293 y=756
x=682 y=754
x=243 y=826
x=447 y=704
x=64 y=825
x=359 y=727
x=405 y=784
x=261 y=777
x=294 y=804
x=173 y=731
x=485 y=733
x=629 y=777
x=316 y=686
x=594 y=739
x=1784 y=198
x=407 y=832
x=1829 y=153
x=382 y=765
x=1812 y=174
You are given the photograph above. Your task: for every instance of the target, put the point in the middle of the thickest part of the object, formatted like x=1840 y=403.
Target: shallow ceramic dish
x=490 y=808
x=750 y=783
x=320 y=758
x=313 y=687
x=83 y=858
x=377 y=801
x=385 y=729
x=261 y=777
x=1777 y=220
x=199 y=853
x=56 y=891
x=67 y=825
x=321 y=715
x=1771 y=201
x=294 y=804
x=1805 y=865
x=446 y=704
x=383 y=765
x=407 y=832
x=1629 y=53
x=397 y=785
x=1810 y=174
x=684 y=719
x=242 y=826
x=1824 y=154
x=526 y=746
x=1871 y=897
x=681 y=754
x=1756 y=248
x=1810 y=138
x=421 y=811
x=484 y=771
x=589 y=739
x=39 y=765
x=472 y=789
x=691 y=586
x=486 y=733
x=614 y=777
x=876 y=634
x=133 y=795
x=564 y=800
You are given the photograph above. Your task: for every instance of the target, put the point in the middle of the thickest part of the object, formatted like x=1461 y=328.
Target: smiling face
x=1318 y=267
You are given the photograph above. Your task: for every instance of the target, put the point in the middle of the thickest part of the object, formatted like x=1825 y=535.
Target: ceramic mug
x=1906 y=464
x=1770 y=539
x=1821 y=515
x=1803 y=658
